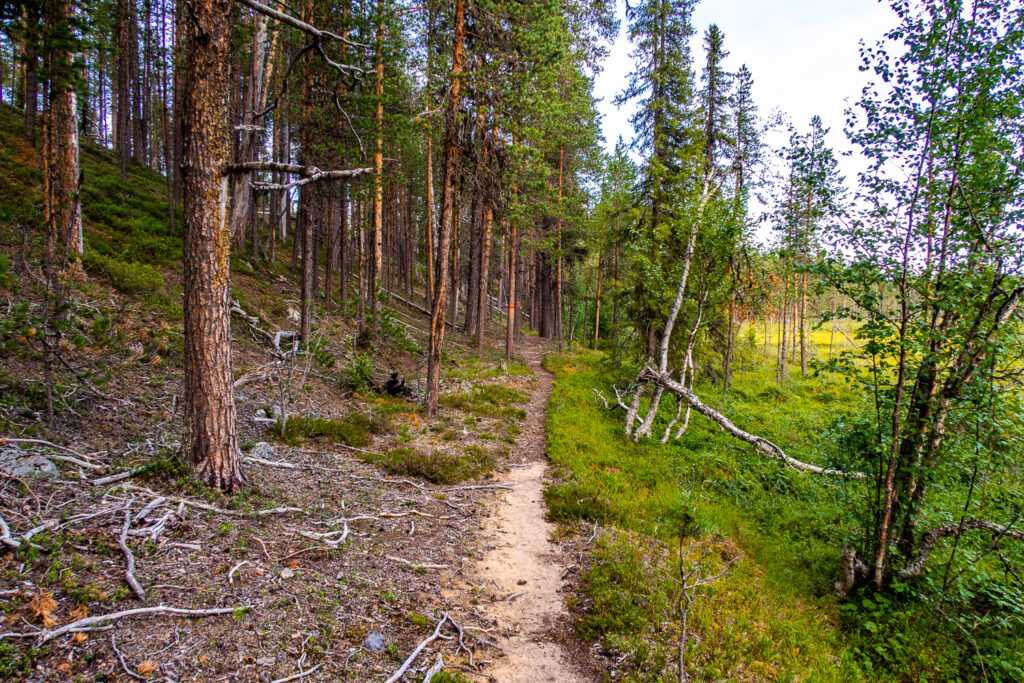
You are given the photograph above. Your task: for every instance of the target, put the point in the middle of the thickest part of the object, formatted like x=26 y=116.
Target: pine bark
x=557 y=303
x=65 y=131
x=210 y=442
x=125 y=37
x=510 y=324
x=137 y=102
x=304 y=235
x=448 y=218
x=378 y=166
x=255 y=98
x=597 y=301
x=30 y=50
x=485 y=268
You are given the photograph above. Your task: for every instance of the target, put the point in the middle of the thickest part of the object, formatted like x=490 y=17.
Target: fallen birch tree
x=763 y=445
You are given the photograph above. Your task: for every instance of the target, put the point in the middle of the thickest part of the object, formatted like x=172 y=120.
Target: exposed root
x=92 y=623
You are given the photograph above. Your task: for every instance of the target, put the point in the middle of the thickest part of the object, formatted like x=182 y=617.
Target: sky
x=804 y=56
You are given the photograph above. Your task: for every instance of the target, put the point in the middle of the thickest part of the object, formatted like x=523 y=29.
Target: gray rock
x=374 y=642
x=275 y=412
x=18 y=463
x=261 y=412
x=263 y=450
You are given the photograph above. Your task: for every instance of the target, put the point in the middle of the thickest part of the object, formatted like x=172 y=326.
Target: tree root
x=91 y=623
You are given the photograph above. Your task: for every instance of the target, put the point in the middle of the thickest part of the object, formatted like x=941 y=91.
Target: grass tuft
x=437 y=466
x=353 y=429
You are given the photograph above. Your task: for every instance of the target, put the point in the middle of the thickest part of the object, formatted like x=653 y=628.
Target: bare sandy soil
x=522 y=563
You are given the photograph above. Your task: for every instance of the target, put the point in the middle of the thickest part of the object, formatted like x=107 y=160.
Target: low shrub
x=128 y=277
x=437 y=466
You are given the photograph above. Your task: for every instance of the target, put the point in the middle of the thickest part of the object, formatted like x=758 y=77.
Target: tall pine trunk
x=378 y=170
x=448 y=218
x=510 y=324
x=304 y=233
x=557 y=303
x=210 y=442
x=125 y=36
x=597 y=302
x=30 y=52
x=485 y=268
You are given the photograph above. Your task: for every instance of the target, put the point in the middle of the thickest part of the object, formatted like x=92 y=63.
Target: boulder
x=263 y=450
x=24 y=465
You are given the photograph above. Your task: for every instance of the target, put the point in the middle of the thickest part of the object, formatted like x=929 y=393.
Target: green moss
x=353 y=429
x=450 y=676
x=131 y=277
x=437 y=466
x=488 y=400
x=420 y=619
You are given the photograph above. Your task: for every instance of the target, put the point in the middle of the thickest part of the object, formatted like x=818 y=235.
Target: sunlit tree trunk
x=210 y=441
x=378 y=170
x=448 y=217
x=557 y=304
x=597 y=301
x=304 y=219
x=485 y=267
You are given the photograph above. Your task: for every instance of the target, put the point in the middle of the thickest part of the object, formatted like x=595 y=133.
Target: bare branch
x=416 y=653
x=129 y=556
x=5 y=535
x=90 y=623
x=302 y=26
x=760 y=443
x=309 y=173
x=916 y=566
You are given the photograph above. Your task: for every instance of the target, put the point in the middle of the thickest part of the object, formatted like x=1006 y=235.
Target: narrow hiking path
x=522 y=563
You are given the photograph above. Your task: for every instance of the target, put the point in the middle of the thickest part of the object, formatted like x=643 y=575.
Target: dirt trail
x=521 y=558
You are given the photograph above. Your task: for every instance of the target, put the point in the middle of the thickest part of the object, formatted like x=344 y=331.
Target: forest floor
x=330 y=563
x=361 y=531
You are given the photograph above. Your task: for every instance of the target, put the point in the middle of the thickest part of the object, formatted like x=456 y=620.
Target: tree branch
x=90 y=623
x=309 y=173
x=916 y=565
x=302 y=26
x=763 y=445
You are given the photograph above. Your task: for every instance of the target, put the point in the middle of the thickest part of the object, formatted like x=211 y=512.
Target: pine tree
x=448 y=208
x=210 y=442
x=662 y=86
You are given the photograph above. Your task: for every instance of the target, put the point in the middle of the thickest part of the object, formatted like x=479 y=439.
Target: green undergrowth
x=449 y=676
x=388 y=406
x=488 y=400
x=471 y=368
x=131 y=277
x=353 y=429
x=125 y=220
x=437 y=466
x=773 y=618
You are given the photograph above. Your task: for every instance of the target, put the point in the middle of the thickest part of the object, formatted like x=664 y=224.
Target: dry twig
x=90 y=623
x=129 y=572
x=419 y=648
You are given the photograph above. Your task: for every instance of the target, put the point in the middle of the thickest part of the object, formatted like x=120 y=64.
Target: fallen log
x=763 y=445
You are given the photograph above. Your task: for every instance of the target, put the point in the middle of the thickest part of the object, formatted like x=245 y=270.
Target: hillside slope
x=352 y=519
